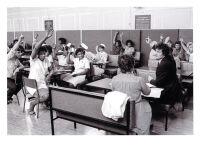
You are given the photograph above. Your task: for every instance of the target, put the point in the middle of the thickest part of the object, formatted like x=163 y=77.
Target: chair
x=32 y=84
x=137 y=57
x=112 y=67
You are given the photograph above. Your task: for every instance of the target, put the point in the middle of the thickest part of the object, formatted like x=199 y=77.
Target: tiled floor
x=19 y=123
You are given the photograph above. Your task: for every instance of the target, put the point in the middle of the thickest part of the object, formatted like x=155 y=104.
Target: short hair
x=63 y=40
x=42 y=49
x=80 y=49
x=178 y=42
x=164 y=48
x=21 y=49
x=126 y=63
x=119 y=42
x=100 y=46
x=132 y=43
x=48 y=48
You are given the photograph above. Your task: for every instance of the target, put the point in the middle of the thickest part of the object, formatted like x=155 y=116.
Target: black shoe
x=9 y=100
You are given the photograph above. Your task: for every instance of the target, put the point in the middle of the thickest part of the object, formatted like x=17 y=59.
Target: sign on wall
x=48 y=24
x=142 y=21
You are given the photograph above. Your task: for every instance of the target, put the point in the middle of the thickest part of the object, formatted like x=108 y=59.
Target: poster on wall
x=142 y=21
x=48 y=24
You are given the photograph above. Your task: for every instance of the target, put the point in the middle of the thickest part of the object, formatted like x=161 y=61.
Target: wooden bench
x=85 y=108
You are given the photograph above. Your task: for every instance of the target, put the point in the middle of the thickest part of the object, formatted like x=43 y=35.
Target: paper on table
x=155 y=92
x=150 y=85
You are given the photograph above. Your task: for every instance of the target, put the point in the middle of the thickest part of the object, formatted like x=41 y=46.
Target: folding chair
x=32 y=84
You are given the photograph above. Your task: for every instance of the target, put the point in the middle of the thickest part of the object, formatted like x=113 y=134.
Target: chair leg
x=166 y=120
x=24 y=103
x=17 y=99
x=74 y=125
x=38 y=110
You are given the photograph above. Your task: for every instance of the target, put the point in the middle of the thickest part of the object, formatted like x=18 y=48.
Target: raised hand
x=36 y=36
x=49 y=33
x=161 y=37
x=21 y=37
x=181 y=39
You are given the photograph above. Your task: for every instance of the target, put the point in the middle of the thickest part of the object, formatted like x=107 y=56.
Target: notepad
x=155 y=92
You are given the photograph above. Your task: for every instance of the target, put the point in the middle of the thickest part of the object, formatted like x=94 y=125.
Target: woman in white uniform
x=81 y=65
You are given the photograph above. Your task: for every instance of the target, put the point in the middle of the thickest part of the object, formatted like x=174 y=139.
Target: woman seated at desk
x=100 y=60
x=81 y=65
x=133 y=86
x=166 y=76
x=61 y=59
x=39 y=70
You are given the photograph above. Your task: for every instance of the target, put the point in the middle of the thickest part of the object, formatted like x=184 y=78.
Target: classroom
x=99 y=71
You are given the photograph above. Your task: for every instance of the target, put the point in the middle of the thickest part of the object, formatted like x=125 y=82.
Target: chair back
x=137 y=56
x=30 y=82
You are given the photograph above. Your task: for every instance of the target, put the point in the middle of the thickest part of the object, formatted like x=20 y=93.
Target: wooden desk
x=105 y=85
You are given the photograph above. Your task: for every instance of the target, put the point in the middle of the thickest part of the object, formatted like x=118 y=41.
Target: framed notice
x=48 y=24
x=142 y=21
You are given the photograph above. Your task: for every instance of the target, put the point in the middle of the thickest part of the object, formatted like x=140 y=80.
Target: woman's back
x=129 y=84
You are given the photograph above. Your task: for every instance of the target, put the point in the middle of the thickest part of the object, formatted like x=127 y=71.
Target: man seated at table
x=13 y=67
x=166 y=76
x=81 y=65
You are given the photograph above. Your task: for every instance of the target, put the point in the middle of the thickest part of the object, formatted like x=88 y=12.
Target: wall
x=104 y=18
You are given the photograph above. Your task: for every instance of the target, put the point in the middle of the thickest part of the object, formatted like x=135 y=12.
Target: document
x=155 y=92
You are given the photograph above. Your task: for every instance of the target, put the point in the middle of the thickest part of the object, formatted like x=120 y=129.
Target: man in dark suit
x=166 y=76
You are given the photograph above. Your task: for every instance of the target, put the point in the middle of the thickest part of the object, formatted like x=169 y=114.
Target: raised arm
x=16 y=46
x=183 y=45
x=121 y=39
x=69 y=61
x=34 y=41
x=115 y=37
x=49 y=33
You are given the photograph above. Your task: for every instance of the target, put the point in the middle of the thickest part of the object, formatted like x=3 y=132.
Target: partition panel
x=41 y=34
x=186 y=34
x=72 y=36
x=95 y=37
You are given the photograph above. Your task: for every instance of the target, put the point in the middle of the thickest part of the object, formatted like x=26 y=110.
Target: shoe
x=31 y=112
x=9 y=100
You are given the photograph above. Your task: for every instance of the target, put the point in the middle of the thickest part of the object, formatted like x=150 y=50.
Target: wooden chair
x=112 y=67
x=32 y=84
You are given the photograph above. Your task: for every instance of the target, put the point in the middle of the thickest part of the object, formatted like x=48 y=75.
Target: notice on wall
x=142 y=21
x=48 y=24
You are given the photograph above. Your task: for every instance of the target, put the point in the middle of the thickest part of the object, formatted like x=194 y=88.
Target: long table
x=105 y=84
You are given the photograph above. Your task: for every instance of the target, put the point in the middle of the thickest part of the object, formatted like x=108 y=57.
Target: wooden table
x=105 y=84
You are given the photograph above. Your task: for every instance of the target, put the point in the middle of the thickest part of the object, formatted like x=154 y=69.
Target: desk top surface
x=102 y=84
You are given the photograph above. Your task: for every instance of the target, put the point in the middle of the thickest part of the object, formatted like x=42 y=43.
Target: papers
x=150 y=85
x=155 y=92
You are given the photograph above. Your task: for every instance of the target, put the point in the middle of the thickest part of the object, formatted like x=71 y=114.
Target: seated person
x=188 y=49
x=152 y=44
x=81 y=65
x=101 y=58
x=13 y=67
x=39 y=69
x=127 y=82
x=62 y=45
x=128 y=47
x=117 y=45
x=166 y=76
x=178 y=52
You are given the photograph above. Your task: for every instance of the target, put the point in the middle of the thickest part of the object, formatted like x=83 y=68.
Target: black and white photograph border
x=12 y=119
